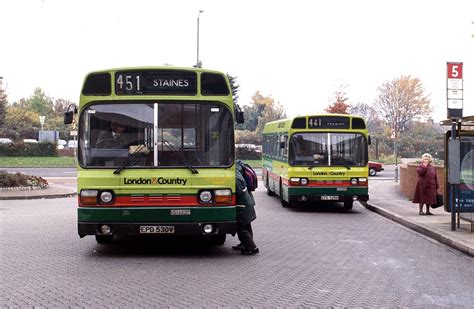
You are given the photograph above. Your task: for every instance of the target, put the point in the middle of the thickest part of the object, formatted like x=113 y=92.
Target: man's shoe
x=238 y=247
x=247 y=251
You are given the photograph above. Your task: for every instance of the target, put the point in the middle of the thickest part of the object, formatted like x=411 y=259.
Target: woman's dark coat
x=244 y=197
x=427 y=185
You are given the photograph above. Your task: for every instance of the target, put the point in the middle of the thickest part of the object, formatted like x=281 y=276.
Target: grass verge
x=65 y=162
x=37 y=162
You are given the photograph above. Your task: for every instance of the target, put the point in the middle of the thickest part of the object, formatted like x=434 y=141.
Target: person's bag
x=250 y=176
x=439 y=201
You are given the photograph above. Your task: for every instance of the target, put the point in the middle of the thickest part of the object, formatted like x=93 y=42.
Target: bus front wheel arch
x=104 y=239
x=217 y=240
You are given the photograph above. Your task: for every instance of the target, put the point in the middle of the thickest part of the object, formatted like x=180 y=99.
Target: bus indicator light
x=89 y=196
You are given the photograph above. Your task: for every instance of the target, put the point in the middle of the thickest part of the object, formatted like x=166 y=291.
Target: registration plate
x=156 y=229
x=329 y=197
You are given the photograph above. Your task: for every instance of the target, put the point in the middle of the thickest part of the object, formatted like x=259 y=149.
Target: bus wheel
x=104 y=239
x=269 y=191
x=348 y=205
x=217 y=240
x=283 y=202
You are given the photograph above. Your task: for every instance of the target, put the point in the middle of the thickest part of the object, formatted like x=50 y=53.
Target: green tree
x=234 y=88
x=3 y=107
x=39 y=103
x=421 y=137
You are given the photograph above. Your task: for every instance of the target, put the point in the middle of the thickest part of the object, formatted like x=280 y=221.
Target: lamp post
x=198 y=63
x=42 y=121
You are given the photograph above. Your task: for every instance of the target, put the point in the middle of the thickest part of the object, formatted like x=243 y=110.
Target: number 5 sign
x=455 y=70
x=454 y=89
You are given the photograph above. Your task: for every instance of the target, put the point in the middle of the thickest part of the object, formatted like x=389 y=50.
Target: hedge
x=28 y=150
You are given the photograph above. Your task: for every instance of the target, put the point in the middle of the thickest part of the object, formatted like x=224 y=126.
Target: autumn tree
x=338 y=104
x=273 y=111
x=21 y=123
x=399 y=101
x=22 y=117
x=261 y=110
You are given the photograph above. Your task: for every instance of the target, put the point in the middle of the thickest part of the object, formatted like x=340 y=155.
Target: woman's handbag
x=439 y=201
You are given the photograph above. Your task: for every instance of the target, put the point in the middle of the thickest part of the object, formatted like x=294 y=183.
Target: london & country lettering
x=155 y=181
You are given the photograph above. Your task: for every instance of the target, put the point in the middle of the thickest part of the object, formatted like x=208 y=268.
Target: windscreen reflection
x=165 y=134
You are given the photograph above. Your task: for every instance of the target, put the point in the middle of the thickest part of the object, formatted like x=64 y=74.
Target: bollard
x=396 y=173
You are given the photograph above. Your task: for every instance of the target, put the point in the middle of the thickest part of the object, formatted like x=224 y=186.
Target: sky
x=299 y=52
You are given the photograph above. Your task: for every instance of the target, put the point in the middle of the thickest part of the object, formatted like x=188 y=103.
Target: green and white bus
x=173 y=172
x=316 y=158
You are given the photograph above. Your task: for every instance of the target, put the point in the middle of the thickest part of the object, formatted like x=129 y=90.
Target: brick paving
x=310 y=257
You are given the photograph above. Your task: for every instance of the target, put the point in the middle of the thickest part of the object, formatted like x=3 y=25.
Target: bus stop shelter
x=459 y=186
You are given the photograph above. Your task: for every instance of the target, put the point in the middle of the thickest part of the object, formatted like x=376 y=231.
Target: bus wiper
x=182 y=157
x=346 y=166
x=137 y=150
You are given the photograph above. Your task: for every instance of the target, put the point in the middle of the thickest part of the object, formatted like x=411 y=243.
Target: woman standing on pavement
x=427 y=185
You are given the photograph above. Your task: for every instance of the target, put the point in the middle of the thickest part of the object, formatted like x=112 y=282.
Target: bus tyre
x=348 y=205
x=267 y=185
x=284 y=203
x=104 y=239
x=217 y=240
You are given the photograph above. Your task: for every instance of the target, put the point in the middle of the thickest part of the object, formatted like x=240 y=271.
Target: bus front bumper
x=157 y=220
x=165 y=228
x=327 y=198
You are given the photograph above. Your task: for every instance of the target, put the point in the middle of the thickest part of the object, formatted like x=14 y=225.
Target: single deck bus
x=173 y=172
x=316 y=158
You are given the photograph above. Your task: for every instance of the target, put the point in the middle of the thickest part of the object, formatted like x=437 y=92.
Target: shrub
x=21 y=180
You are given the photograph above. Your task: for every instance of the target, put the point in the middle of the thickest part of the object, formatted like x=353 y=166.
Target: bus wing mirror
x=69 y=114
x=239 y=117
x=369 y=141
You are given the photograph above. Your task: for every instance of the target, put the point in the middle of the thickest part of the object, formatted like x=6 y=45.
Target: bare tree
x=400 y=100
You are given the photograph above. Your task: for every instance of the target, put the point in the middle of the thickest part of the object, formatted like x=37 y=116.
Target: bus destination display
x=328 y=122
x=155 y=82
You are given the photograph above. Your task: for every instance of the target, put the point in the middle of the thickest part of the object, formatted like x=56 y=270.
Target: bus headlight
x=106 y=197
x=354 y=181
x=304 y=181
x=205 y=196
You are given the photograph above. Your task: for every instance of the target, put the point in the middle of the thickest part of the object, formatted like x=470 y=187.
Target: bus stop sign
x=454 y=89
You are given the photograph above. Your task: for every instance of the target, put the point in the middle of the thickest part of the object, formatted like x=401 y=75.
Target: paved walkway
x=385 y=199
x=388 y=201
